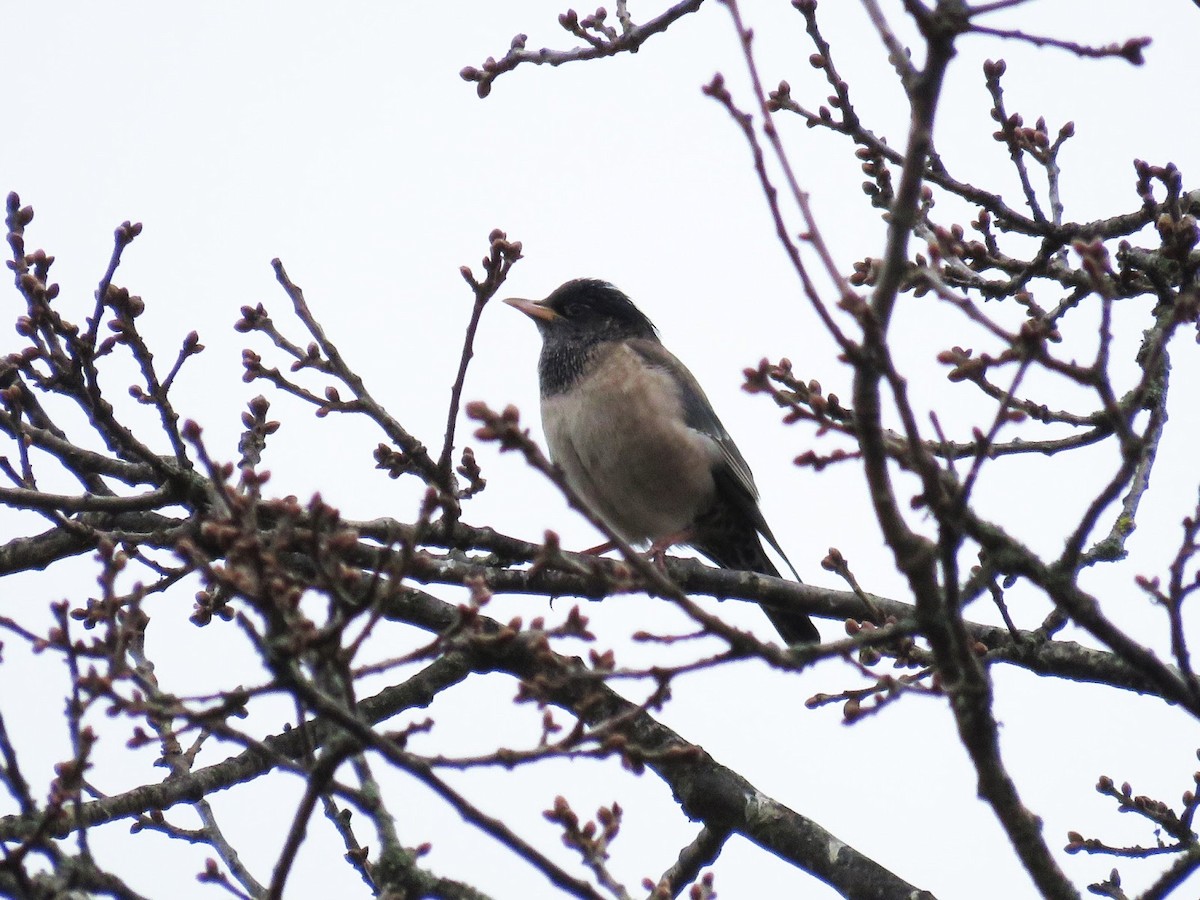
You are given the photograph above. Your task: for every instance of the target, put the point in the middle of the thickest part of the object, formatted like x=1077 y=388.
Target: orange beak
x=533 y=309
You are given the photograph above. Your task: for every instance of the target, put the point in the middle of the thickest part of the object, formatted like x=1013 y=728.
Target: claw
x=657 y=553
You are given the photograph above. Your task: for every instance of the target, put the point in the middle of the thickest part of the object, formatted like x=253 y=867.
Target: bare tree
x=159 y=510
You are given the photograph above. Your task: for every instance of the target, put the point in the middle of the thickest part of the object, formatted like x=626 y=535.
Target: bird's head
x=586 y=310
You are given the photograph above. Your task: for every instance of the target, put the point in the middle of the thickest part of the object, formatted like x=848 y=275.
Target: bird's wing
x=698 y=413
x=733 y=475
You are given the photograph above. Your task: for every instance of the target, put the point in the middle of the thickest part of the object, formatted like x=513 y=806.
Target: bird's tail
x=746 y=553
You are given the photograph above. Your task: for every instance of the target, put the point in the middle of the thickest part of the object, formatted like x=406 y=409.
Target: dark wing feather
x=728 y=535
x=698 y=412
x=728 y=531
x=735 y=483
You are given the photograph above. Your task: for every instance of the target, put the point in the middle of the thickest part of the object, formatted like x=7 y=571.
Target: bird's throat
x=563 y=363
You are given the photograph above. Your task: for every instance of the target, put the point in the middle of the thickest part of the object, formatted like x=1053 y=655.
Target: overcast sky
x=342 y=140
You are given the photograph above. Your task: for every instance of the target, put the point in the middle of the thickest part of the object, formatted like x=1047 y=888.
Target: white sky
x=344 y=142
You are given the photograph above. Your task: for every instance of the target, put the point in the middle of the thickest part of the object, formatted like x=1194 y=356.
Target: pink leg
x=657 y=553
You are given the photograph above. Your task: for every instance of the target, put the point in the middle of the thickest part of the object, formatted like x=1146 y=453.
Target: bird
x=635 y=436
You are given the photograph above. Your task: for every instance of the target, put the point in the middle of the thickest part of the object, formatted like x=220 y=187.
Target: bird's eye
x=571 y=310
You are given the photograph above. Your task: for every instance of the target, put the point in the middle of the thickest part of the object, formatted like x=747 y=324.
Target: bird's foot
x=657 y=553
x=600 y=549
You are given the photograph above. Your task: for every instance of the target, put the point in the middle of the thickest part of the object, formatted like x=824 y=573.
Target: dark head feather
x=588 y=313
x=591 y=306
